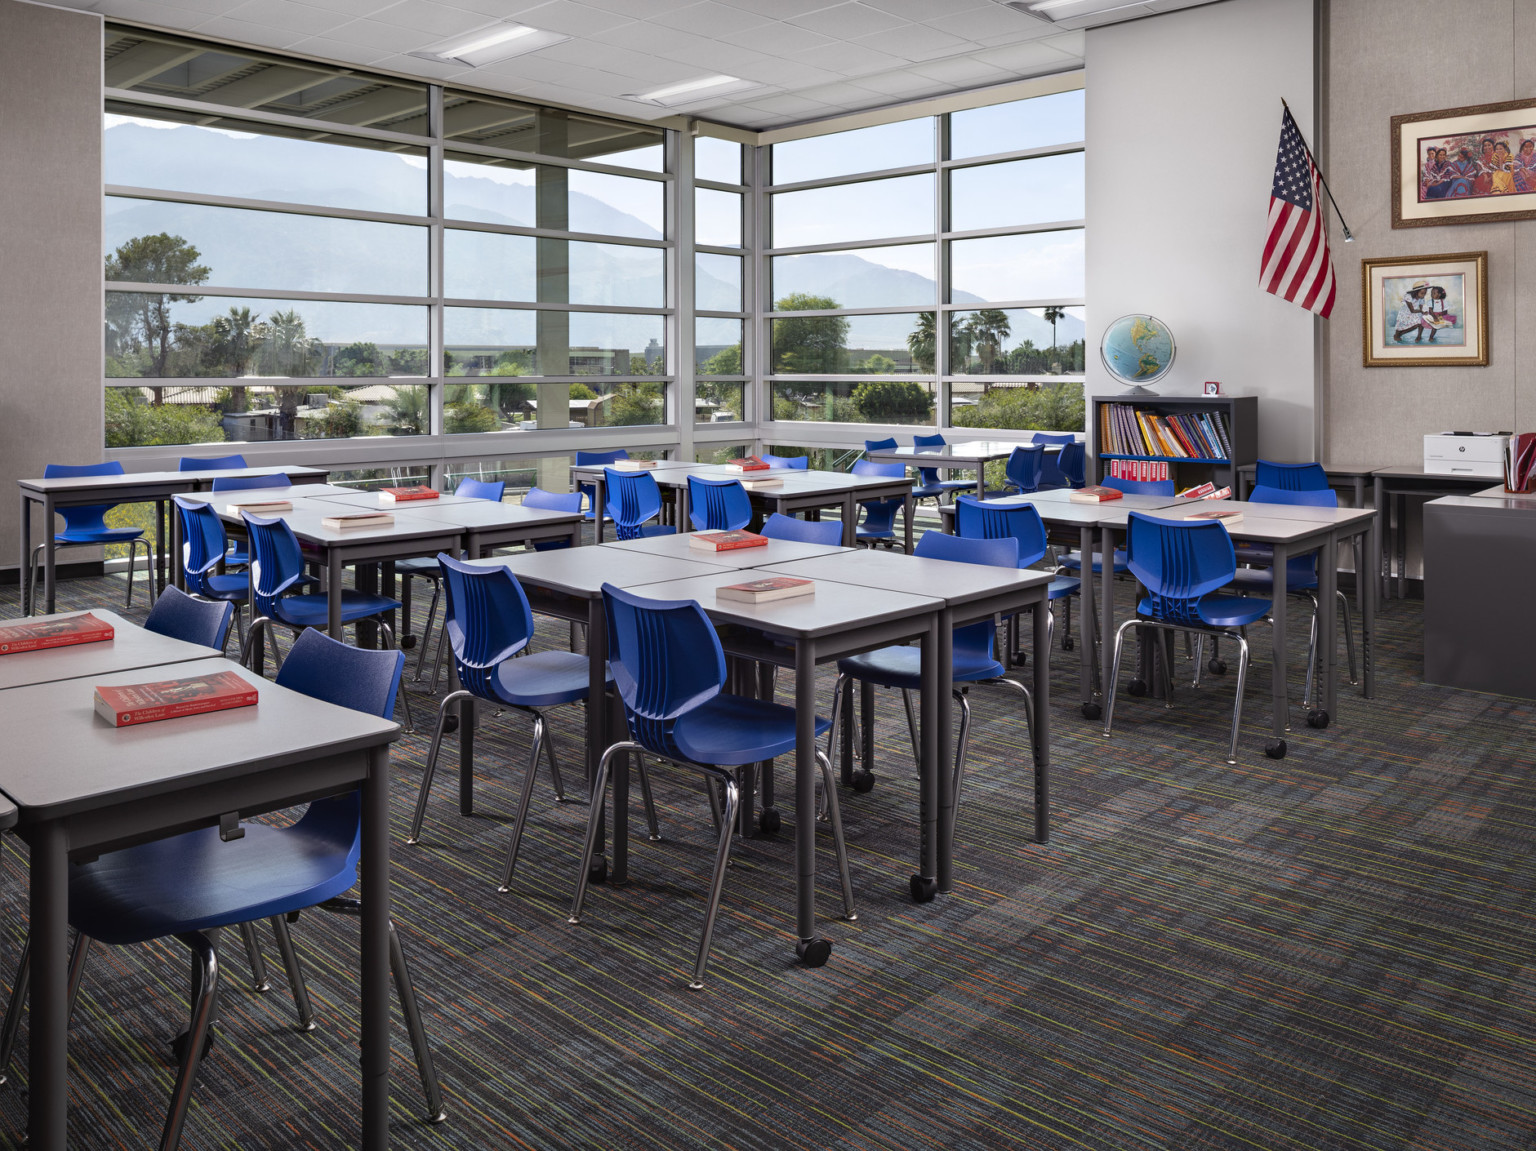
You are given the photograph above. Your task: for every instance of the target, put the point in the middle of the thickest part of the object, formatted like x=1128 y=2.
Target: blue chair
x=249 y=483
x=1073 y=562
x=633 y=498
x=880 y=445
x=180 y=616
x=718 y=505
x=210 y=463
x=555 y=502
x=798 y=463
x=488 y=622
x=87 y=526
x=203 y=545
x=1025 y=466
x=1072 y=462
x=1306 y=477
x=989 y=520
x=1183 y=566
x=668 y=668
x=973 y=663
x=879 y=526
x=929 y=485
x=584 y=459
x=1052 y=474
x=191 y=885
x=781 y=527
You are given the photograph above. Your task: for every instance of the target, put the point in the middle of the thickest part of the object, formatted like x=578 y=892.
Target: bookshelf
x=1241 y=417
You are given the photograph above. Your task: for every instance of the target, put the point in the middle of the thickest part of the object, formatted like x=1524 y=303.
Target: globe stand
x=1137 y=390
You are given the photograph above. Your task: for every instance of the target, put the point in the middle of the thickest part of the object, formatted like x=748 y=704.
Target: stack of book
x=1142 y=471
x=1127 y=430
x=746 y=464
x=766 y=590
x=358 y=520
x=264 y=506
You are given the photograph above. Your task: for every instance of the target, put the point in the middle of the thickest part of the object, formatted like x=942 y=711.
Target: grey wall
x=1391 y=57
x=50 y=248
x=1183 y=121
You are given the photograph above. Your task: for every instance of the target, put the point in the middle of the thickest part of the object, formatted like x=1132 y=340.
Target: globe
x=1137 y=350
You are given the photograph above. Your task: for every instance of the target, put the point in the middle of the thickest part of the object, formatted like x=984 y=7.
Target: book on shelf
x=1142 y=471
x=726 y=541
x=408 y=494
x=1132 y=430
x=173 y=698
x=265 y=507
x=1226 y=517
x=1094 y=494
x=633 y=465
x=746 y=464
x=34 y=635
x=766 y=590
x=351 y=520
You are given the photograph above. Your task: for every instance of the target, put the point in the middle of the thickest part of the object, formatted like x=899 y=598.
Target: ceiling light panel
x=488 y=45
x=693 y=91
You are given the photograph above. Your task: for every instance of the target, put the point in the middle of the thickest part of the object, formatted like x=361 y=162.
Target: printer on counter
x=1466 y=454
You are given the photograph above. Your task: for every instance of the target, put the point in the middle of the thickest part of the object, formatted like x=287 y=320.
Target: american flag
x=1297 y=265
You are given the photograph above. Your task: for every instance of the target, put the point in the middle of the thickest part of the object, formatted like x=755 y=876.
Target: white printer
x=1466 y=454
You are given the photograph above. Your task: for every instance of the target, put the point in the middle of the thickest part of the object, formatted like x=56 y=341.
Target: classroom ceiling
x=807 y=59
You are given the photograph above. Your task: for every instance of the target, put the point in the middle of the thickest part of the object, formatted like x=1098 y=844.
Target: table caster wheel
x=1275 y=749
x=450 y=724
x=1068 y=643
x=1137 y=687
x=598 y=872
x=813 y=952
x=407 y=643
x=1019 y=658
x=1216 y=666
x=863 y=782
x=1092 y=711
x=1318 y=718
x=923 y=890
x=179 y=1046
x=768 y=821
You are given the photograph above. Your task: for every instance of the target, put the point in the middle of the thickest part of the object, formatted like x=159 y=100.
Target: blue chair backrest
x=473 y=489
x=1052 y=474
x=203 y=542
x=1073 y=463
x=990 y=520
x=1139 y=487
x=633 y=498
x=487 y=618
x=1178 y=562
x=666 y=660
x=973 y=642
x=1024 y=466
x=277 y=563
x=800 y=463
x=880 y=515
x=249 y=483
x=879 y=445
x=1296 y=497
x=552 y=501
x=928 y=475
x=91 y=518
x=585 y=458
x=210 y=463
x=1291 y=477
x=780 y=527
x=889 y=471
x=1053 y=438
x=718 y=505
x=180 y=616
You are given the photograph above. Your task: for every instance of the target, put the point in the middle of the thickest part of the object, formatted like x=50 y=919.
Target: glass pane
x=1017 y=342
x=1036 y=123
x=492 y=266
x=524 y=405
x=902 y=206
x=861 y=150
x=1018 y=192
x=511 y=342
x=142 y=152
x=549 y=132
x=718 y=402
x=152 y=241
x=1033 y=266
x=717 y=217
x=821 y=459
x=717 y=282
x=836 y=345
x=1043 y=407
x=848 y=402
x=860 y=277
x=174 y=336
x=718 y=160
x=717 y=347
x=246 y=413
x=543 y=196
x=719 y=453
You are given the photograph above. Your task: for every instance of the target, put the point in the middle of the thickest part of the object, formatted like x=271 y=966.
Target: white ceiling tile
x=933 y=11
x=993 y=21
x=903 y=84
x=711 y=19
x=1032 y=55
x=246 y=32
x=653 y=38
x=964 y=71
x=386 y=37
x=746 y=63
x=342 y=51
x=792 y=74
x=779 y=39
x=915 y=42
x=639 y=9
x=847 y=20
x=300 y=19
x=435 y=20
x=837 y=94
x=613 y=58
x=519 y=10
x=165 y=15
x=780 y=9
x=791 y=105
x=849 y=59
x=349 y=8
x=427 y=69
x=572 y=19
x=1072 y=43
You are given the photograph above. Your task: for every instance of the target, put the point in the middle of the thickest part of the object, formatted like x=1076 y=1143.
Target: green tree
x=157 y=259
x=893 y=402
x=726 y=362
x=409 y=411
x=813 y=344
x=232 y=343
x=634 y=404
x=359 y=359
x=1051 y=408
x=878 y=365
x=988 y=329
x=408 y=362
x=131 y=423
x=467 y=417
x=337 y=422
x=923 y=341
x=1052 y=314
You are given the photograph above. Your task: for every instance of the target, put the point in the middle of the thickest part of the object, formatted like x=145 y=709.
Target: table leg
x=1402 y=546
x=50 y=986
x=24 y=563
x=1383 y=527
x=981 y=480
x=1281 y=721
x=925 y=884
x=162 y=561
x=1085 y=619
x=1107 y=598
x=845 y=725
x=597 y=701
x=1327 y=625
x=375 y=950
x=850 y=513
x=684 y=509
x=943 y=766
x=333 y=593
x=1370 y=593
x=765 y=684
x=811 y=950
x=908 y=508
x=466 y=754
x=1042 y=721
x=599 y=506
x=50 y=556
x=366 y=630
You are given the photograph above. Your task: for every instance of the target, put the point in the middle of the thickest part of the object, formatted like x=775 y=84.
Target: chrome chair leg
x=652 y=827
x=426 y=778
x=1237 y=703
x=1165 y=650
x=404 y=696
x=554 y=766
x=1114 y=677
x=906 y=701
x=12 y=1025
x=1306 y=694
x=1199 y=657
x=294 y=971
x=1349 y=637
x=837 y=713
x=717 y=880
x=525 y=800
x=206 y=969
x=259 y=982
x=829 y=787
x=963 y=745
x=426 y=1068
x=426 y=632
x=32 y=566
x=594 y=817
x=437 y=658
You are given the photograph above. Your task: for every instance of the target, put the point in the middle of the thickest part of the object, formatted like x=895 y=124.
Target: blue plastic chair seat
x=939 y=487
x=543 y=679
x=1219 y=610
x=1073 y=561
x=901 y=667
x=1254 y=579
x=1063 y=586
x=424 y=566
x=313 y=611
x=236 y=588
x=730 y=730
x=98 y=535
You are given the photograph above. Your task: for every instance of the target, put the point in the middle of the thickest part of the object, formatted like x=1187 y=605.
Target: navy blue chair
x=555 y=502
x=204 y=545
x=900 y=667
x=718 y=505
x=1073 y=463
x=634 y=498
x=249 y=483
x=798 y=463
x=87 y=526
x=879 y=525
x=584 y=459
x=929 y=485
x=210 y=463
x=191 y=885
x=1025 y=466
x=184 y=617
x=669 y=669
x=1183 y=567
x=1306 y=477
x=781 y=527
x=1052 y=474
x=1073 y=562
x=880 y=445
x=990 y=520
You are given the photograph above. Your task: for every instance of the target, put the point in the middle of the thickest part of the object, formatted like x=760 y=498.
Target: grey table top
x=1416 y=471
x=1126 y=500
x=835 y=607
x=131 y=646
x=1264 y=526
x=375 y=499
x=589 y=470
x=65 y=759
x=1056 y=508
x=583 y=571
x=1331 y=469
x=130 y=479
x=954 y=583
x=1481 y=501
x=7 y=813
x=306 y=516
x=254 y=495
x=488 y=514
x=1497 y=492
x=1295 y=513
x=964 y=453
x=775 y=551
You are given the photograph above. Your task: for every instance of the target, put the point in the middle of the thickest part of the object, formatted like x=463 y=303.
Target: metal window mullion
x=252 y=116
x=492 y=152
x=1058 y=301
x=437 y=271
x=680 y=291
x=157 y=289
x=534 y=306
x=1065 y=149
x=847 y=245
x=553 y=234
x=854 y=178
x=759 y=288
x=166 y=195
x=1017 y=230
x=941 y=269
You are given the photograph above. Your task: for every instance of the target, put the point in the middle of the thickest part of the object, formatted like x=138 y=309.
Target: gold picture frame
x=1425 y=311
x=1464 y=165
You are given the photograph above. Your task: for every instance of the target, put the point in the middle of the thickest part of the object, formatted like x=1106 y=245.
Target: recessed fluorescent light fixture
x=690 y=91
x=1054 y=10
x=488 y=45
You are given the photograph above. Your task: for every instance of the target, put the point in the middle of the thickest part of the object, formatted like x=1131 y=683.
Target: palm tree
x=988 y=329
x=232 y=333
x=1052 y=314
x=922 y=341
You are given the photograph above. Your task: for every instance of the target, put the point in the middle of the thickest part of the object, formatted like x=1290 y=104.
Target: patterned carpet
x=1334 y=950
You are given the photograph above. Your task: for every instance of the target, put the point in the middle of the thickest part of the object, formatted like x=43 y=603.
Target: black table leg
x=943 y=787
x=50 y=986
x=925 y=884
x=375 y=950
x=1042 y=723
x=811 y=950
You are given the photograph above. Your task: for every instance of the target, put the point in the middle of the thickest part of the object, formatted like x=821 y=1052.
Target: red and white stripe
x=1297 y=265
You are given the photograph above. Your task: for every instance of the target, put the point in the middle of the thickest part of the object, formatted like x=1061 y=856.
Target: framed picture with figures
x=1428 y=311
x=1464 y=165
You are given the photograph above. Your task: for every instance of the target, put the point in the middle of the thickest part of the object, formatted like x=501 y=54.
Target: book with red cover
x=33 y=635
x=764 y=590
x=726 y=541
x=406 y=495
x=634 y=465
x=1198 y=492
x=747 y=464
x=173 y=698
x=1226 y=517
x=1095 y=495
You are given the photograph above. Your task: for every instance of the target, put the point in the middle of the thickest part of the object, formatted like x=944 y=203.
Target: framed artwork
x=1426 y=311
x=1464 y=165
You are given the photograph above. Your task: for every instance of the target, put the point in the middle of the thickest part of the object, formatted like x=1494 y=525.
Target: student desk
x=82 y=788
x=774 y=552
x=1395 y=486
x=971 y=455
x=133 y=487
x=131 y=646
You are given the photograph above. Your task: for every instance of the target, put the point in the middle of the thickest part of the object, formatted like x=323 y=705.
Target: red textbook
x=406 y=495
x=747 y=464
x=33 y=635
x=172 y=698
x=1226 y=517
x=726 y=541
x=1095 y=495
x=764 y=590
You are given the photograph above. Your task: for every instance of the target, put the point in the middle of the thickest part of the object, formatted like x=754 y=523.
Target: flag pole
x=1348 y=237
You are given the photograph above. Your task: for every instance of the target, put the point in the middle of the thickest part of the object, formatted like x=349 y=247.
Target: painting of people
x=1462 y=165
x=1498 y=164
x=1426 y=311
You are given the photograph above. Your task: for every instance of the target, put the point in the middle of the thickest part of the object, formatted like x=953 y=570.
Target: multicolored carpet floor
x=1334 y=950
